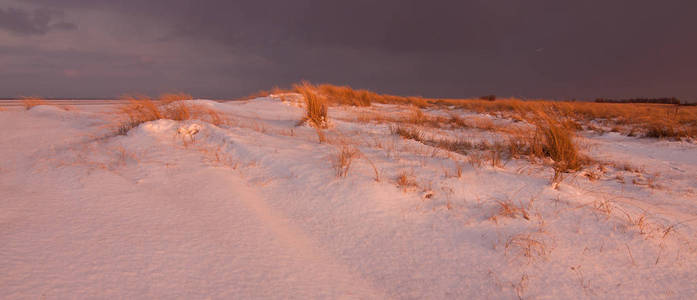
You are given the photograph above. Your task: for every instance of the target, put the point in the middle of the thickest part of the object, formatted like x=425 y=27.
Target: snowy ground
x=254 y=209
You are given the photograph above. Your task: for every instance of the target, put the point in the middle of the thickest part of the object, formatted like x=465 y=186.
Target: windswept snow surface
x=254 y=209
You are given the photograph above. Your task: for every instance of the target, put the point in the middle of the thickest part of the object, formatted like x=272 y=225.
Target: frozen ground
x=254 y=209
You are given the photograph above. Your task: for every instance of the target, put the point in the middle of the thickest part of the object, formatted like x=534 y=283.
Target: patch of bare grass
x=666 y=129
x=141 y=109
x=167 y=98
x=557 y=142
x=406 y=181
x=138 y=111
x=345 y=95
x=29 y=102
x=649 y=120
x=410 y=133
x=509 y=209
x=315 y=105
x=342 y=159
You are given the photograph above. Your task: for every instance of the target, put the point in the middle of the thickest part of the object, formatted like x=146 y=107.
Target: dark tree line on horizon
x=671 y=100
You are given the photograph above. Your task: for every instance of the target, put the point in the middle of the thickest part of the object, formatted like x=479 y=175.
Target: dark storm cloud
x=535 y=48
x=37 y=21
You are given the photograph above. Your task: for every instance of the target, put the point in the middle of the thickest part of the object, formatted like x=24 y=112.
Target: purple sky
x=227 y=49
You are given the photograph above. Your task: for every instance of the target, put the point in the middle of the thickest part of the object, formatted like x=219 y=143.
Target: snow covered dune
x=254 y=208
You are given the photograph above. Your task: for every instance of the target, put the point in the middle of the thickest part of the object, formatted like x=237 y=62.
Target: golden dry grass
x=556 y=141
x=342 y=160
x=550 y=139
x=141 y=109
x=167 y=98
x=649 y=120
x=137 y=112
x=29 y=102
x=315 y=105
x=178 y=111
x=509 y=209
x=264 y=93
x=410 y=133
x=345 y=95
x=406 y=181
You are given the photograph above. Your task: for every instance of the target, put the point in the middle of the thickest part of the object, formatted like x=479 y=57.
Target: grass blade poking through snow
x=558 y=143
x=342 y=160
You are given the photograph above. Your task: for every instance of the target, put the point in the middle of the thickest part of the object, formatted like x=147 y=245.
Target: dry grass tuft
x=141 y=109
x=475 y=160
x=178 y=111
x=669 y=129
x=342 y=160
x=416 y=116
x=496 y=156
x=407 y=132
x=138 y=111
x=315 y=105
x=527 y=246
x=604 y=206
x=173 y=97
x=29 y=102
x=345 y=95
x=557 y=142
x=406 y=181
x=639 y=221
x=213 y=117
x=509 y=209
x=321 y=137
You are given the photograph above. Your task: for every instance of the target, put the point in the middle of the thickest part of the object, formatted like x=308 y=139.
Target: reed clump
x=315 y=105
x=140 y=109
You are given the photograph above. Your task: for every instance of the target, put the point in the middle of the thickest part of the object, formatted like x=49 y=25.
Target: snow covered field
x=253 y=208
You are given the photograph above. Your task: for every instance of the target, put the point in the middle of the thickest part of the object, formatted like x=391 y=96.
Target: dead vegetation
x=527 y=245
x=342 y=159
x=416 y=116
x=29 y=102
x=551 y=136
x=550 y=139
x=511 y=210
x=556 y=141
x=141 y=109
x=315 y=105
x=167 y=98
x=274 y=91
x=406 y=181
x=643 y=119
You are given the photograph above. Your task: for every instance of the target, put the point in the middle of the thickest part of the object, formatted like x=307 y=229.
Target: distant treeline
x=672 y=100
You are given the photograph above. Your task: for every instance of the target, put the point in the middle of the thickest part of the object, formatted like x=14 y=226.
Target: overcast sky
x=229 y=48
